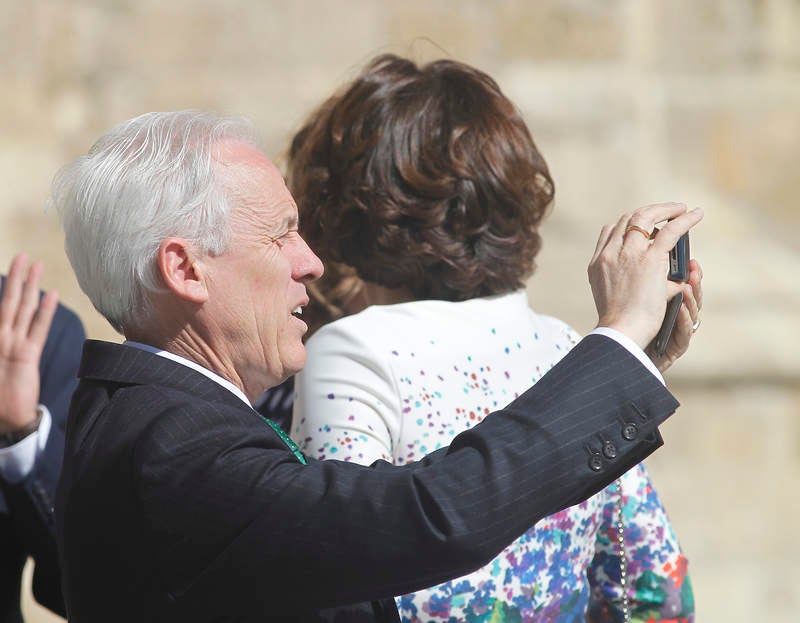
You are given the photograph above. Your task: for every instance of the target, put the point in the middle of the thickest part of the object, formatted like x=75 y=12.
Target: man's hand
x=24 y=324
x=628 y=272
x=688 y=320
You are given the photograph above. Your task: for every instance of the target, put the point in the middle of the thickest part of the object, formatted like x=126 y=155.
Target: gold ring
x=641 y=230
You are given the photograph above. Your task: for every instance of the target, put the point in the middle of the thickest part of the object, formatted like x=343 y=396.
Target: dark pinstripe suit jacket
x=178 y=503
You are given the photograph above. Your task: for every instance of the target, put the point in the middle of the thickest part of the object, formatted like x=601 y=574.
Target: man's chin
x=291 y=371
x=293 y=363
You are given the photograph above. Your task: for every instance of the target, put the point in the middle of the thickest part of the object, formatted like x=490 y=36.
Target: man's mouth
x=298 y=312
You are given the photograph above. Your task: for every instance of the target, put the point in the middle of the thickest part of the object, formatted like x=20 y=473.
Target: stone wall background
x=630 y=101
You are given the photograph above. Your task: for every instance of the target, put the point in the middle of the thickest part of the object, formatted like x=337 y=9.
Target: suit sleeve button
x=630 y=431
x=595 y=463
x=609 y=450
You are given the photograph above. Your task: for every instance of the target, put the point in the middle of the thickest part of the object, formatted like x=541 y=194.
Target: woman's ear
x=182 y=273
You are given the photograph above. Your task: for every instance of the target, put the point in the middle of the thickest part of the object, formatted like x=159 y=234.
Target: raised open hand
x=25 y=320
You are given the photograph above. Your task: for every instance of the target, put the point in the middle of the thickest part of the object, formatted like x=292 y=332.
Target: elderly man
x=178 y=502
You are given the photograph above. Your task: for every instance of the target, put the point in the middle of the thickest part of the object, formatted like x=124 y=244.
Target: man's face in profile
x=257 y=287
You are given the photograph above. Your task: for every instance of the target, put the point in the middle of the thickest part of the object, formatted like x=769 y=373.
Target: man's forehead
x=246 y=170
x=231 y=152
x=255 y=183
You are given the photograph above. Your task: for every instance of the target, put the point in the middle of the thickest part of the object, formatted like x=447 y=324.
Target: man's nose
x=307 y=266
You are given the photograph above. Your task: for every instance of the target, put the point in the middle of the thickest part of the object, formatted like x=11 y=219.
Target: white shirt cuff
x=632 y=347
x=17 y=461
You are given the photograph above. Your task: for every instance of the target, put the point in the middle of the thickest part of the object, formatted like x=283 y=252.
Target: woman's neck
x=373 y=294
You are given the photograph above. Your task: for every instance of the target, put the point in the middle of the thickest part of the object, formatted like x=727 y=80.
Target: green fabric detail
x=500 y=612
x=289 y=443
x=687 y=595
x=649 y=589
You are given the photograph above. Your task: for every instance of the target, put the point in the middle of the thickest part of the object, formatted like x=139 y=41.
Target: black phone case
x=679 y=260
x=678 y=271
x=665 y=332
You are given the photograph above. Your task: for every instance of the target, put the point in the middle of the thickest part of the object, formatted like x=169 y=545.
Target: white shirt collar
x=194 y=366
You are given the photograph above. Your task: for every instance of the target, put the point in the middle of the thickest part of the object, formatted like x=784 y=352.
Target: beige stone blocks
x=630 y=101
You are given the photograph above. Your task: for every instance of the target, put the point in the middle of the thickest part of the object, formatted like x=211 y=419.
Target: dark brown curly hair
x=421 y=177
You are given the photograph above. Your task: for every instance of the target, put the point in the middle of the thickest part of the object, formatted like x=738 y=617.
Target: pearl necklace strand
x=623 y=562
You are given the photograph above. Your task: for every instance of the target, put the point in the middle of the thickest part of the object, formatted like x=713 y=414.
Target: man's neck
x=195 y=366
x=188 y=343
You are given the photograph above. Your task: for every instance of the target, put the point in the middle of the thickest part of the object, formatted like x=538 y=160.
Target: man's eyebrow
x=287 y=222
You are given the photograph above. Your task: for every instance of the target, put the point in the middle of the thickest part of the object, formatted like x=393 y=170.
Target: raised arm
x=343 y=533
x=40 y=346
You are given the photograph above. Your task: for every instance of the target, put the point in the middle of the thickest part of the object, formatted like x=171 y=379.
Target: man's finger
x=12 y=289
x=40 y=326
x=647 y=217
x=683 y=325
x=602 y=241
x=641 y=230
x=29 y=299
x=673 y=288
x=669 y=234
x=618 y=232
x=696 y=281
x=690 y=302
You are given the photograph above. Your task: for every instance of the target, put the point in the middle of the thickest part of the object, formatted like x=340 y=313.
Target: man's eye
x=282 y=240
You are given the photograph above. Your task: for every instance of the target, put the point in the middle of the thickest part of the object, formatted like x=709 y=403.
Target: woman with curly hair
x=422 y=191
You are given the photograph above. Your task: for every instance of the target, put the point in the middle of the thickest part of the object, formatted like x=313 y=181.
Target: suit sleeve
x=31 y=500
x=341 y=533
x=346 y=405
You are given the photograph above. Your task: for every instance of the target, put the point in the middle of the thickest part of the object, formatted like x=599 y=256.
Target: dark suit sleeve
x=31 y=501
x=332 y=532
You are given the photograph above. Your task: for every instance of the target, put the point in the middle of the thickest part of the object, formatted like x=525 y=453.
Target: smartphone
x=678 y=271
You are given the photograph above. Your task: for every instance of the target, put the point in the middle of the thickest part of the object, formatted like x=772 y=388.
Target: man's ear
x=182 y=273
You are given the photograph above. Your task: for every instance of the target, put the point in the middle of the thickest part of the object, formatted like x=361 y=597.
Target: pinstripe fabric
x=178 y=504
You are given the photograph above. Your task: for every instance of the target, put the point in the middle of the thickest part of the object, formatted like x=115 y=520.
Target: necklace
x=623 y=562
x=286 y=439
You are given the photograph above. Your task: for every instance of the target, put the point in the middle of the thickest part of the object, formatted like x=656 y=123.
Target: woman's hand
x=688 y=320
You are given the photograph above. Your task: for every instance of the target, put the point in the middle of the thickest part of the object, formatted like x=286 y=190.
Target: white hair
x=147 y=179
